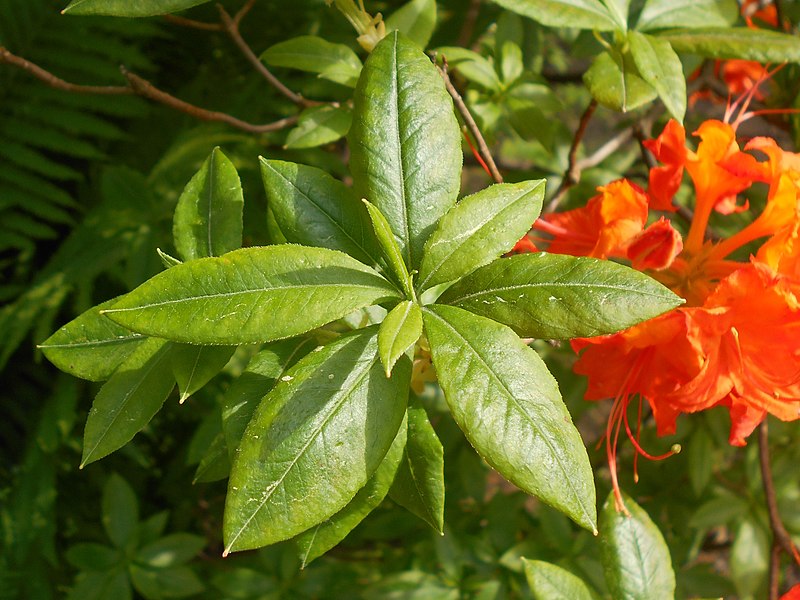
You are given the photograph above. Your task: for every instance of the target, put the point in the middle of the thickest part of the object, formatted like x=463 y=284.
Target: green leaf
x=660 y=14
x=555 y=296
x=314 y=209
x=416 y=19
x=701 y=460
x=480 y=228
x=215 y=464
x=750 y=560
x=472 y=66
x=507 y=404
x=720 y=510
x=194 y=366
x=167 y=260
x=581 y=14
x=319 y=125
x=405 y=142
x=91 y=346
x=127 y=401
x=120 y=511
x=93 y=557
x=419 y=483
x=251 y=295
x=398 y=332
x=760 y=45
x=262 y=373
x=615 y=82
x=390 y=249
x=635 y=556
x=101 y=586
x=175 y=582
x=618 y=9
x=314 y=441
x=551 y=582
x=126 y=8
x=208 y=218
x=511 y=63
x=319 y=539
x=172 y=550
x=660 y=67
x=313 y=54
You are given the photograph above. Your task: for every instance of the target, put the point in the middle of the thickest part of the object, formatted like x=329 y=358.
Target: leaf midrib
x=510 y=288
x=395 y=108
x=92 y=343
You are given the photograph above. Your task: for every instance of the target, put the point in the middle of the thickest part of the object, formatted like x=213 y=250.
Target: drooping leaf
x=215 y=464
x=494 y=383
x=126 y=8
x=480 y=228
x=419 y=483
x=660 y=67
x=551 y=582
x=615 y=82
x=208 y=217
x=251 y=295
x=661 y=14
x=472 y=66
x=127 y=401
x=91 y=346
x=314 y=209
x=314 y=54
x=582 y=14
x=194 y=366
x=319 y=539
x=635 y=556
x=761 y=45
x=171 y=550
x=262 y=373
x=416 y=19
x=398 y=332
x=319 y=125
x=555 y=296
x=314 y=441
x=120 y=511
x=405 y=142
x=390 y=249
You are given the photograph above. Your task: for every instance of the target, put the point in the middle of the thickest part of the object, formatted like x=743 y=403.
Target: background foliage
x=88 y=186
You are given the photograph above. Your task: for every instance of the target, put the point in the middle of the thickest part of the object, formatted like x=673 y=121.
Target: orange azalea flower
x=792 y=594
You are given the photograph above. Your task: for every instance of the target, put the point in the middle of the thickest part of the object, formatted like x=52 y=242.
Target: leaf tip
x=226 y=552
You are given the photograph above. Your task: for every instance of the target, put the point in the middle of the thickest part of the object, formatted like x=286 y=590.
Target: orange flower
x=670 y=149
x=792 y=594
x=656 y=247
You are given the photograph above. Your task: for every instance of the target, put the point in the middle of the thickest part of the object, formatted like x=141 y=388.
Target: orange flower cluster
x=736 y=341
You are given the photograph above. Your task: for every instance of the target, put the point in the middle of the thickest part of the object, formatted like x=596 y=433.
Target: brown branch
x=483 y=149
x=774 y=571
x=231 y=26
x=193 y=24
x=572 y=174
x=139 y=87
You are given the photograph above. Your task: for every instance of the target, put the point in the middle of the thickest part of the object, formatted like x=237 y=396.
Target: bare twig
x=231 y=26
x=604 y=151
x=468 y=28
x=483 y=149
x=781 y=540
x=139 y=87
x=193 y=24
x=774 y=571
x=572 y=174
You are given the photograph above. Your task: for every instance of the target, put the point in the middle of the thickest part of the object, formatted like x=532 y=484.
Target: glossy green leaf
x=91 y=346
x=251 y=295
x=313 y=54
x=419 y=483
x=581 y=14
x=555 y=296
x=101 y=585
x=472 y=66
x=314 y=209
x=761 y=45
x=416 y=19
x=314 y=441
x=398 y=332
x=390 y=249
x=480 y=228
x=194 y=366
x=750 y=560
x=173 y=582
x=127 y=401
x=660 y=14
x=171 y=550
x=319 y=125
x=262 y=373
x=551 y=582
x=319 y=539
x=508 y=405
x=635 y=556
x=661 y=68
x=615 y=82
x=215 y=463
x=120 y=511
x=405 y=142
x=126 y=8
x=167 y=260
x=208 y=217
